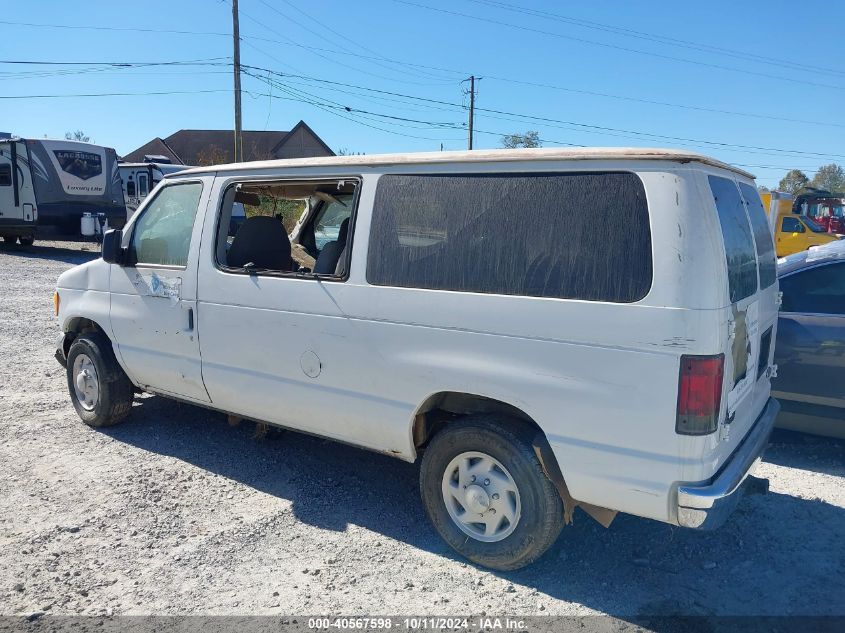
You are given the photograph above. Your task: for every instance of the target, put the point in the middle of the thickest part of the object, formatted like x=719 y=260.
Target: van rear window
x=766 y=261
x=570 y=236
x=739 y=243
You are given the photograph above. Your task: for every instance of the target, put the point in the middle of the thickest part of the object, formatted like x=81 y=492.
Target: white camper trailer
x=139 y=179
x=55 y=183
x=18 y=211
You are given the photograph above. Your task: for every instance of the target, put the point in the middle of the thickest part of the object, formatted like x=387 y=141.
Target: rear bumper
x=707 y=505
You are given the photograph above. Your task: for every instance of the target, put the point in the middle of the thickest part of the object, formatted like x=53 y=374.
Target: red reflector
x=699 y=394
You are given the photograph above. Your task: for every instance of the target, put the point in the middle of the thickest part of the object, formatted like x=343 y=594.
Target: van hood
x=93 y=275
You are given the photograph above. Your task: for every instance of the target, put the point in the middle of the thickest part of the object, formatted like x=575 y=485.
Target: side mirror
x=112 y=246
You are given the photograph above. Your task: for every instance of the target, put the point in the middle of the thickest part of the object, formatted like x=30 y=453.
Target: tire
x=27 y=241
x=539 y=514
x=99 y=389
x=10 y=239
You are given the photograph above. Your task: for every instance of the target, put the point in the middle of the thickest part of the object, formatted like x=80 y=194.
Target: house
x=212 y=147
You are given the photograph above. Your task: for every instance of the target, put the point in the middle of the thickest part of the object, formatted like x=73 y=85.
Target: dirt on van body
x=176 y=512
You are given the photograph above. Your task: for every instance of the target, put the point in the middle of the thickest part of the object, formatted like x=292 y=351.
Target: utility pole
x=471 y=108
x=239 y=144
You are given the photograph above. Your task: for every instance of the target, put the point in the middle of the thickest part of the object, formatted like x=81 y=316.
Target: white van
x=545 y=329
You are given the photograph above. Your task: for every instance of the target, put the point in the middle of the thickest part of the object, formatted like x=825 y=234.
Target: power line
x=106 y=71
x=547 y=120
x=493 y=111
x=359 y=55
x=549 y=86
x=407 y=64
x=111 y=28
x=346 y=108
x=341 y=115
x=488 y=132
x=188 y=62
x=663 y=103
x=378 y=59
x=355 y=68
x=59 y=69
x=575 y=124
x=618 y=47
x=661 y=39
x=112 y=94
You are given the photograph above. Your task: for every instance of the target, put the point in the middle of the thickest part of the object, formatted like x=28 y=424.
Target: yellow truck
x=792 y=231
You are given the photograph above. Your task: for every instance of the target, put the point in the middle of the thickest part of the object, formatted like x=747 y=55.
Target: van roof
x=484 y=155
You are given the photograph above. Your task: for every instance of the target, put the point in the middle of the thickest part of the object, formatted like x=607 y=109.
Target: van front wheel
x=99 y=389
x=487 y=495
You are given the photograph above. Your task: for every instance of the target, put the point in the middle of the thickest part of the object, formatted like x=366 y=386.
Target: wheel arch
x=441 y=408
x=438 y=409
x=75 y=326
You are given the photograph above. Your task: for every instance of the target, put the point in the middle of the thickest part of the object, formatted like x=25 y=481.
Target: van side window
x=257 y=218
x=162 y=235
x=791 y=225
x=766 y=260
x=564 y=235
x=736 y=233
x=5 y=175
x=819 y=290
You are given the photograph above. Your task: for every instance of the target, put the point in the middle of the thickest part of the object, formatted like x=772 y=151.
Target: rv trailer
x=18 y=211
x=139 y=179
x=54 y=182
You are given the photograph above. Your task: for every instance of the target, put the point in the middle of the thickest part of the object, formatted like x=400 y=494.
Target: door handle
x=190 y=319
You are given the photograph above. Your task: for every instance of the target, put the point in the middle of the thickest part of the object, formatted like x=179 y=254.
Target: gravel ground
x=175 y=512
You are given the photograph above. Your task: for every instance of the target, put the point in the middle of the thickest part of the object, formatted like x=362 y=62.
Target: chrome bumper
x=707 y=505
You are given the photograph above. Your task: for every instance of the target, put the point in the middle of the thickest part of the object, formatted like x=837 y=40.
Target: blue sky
x=795 y=94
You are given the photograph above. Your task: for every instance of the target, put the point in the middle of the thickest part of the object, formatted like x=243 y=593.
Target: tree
x=79 y=135
x=529 y=139
x=345 y=151
x=211 y=155
x=830 y=177
x=793 y=182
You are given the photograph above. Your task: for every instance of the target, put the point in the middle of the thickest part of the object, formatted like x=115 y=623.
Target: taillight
x=699 y=394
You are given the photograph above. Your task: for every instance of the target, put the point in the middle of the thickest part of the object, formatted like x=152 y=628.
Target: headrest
x=263 y=241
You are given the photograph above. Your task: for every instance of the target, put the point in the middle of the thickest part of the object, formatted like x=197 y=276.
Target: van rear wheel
x=27 y=241
x=487 y=495
x=99 y=389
